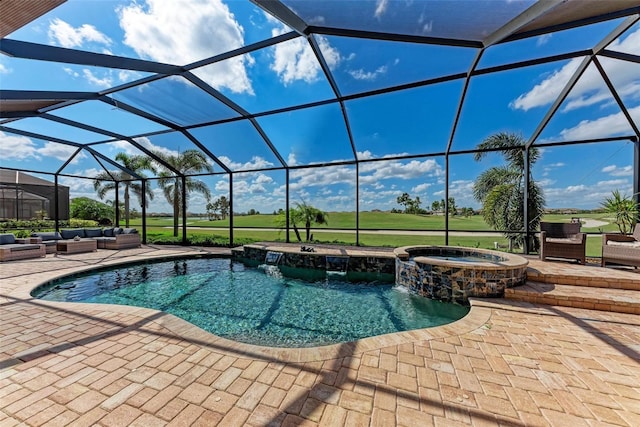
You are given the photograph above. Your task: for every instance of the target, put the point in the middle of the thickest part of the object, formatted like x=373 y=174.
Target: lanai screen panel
x=366 y=65
x=472 y=20
x=183 y=103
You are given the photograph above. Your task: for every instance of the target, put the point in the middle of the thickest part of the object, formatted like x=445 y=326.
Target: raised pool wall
x=359 y=267
x=454 y=281
x=411 y=267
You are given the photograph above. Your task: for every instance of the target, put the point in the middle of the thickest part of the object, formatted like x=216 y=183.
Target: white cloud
x=184 y=31
x=256 y=162
x=71 y=72
x=313 y=177
x=543 y=39
x=421 y=188
x=590 y=89
x=222 y=186
x=294 y=60
x=146 y=143
x=360 y=74
x=60 y=152
x=373 y=172
x=104 y=82
x=263 y=179
x=615 y=170
x=4 y=69
x=16 y=147
x=583 y=196
x=81 y=187
x=548 y=90
x=381 y=7
x=124 y=146
x=63 y=34
x=613 y=124
x=125 y=76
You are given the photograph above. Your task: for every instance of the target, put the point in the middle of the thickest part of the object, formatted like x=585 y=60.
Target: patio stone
x=510 y=362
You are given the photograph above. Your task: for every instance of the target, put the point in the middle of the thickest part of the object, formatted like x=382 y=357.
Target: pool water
x=257 y=306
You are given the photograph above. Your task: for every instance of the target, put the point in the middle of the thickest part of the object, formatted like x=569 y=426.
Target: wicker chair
x=562 y=240
x=621 y=249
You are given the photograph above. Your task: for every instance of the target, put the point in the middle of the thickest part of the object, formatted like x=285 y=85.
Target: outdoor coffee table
x=76 y=246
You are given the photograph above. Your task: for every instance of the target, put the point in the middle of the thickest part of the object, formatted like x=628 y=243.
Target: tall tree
x=187 y=163
x=500 y=189
x=104 y=181
x=453 y=209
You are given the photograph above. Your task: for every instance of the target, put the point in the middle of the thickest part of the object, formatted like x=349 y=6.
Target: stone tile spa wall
x=455 y=281
x=318 y=261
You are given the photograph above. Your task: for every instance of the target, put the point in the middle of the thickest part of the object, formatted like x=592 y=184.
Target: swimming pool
x=248 y=305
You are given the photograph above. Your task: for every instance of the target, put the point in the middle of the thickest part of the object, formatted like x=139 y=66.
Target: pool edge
x=475 y=319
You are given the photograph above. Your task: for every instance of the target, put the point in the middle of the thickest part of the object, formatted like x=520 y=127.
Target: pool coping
x=477 y=317
x=509 y=260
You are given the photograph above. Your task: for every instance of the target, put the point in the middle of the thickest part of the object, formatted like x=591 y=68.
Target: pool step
x=589 y=297
x=589 y=275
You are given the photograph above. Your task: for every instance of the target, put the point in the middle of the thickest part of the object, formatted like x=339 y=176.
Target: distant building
x=23 y=196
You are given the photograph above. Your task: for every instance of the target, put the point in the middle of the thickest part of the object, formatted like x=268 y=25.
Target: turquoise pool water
x=255 y=306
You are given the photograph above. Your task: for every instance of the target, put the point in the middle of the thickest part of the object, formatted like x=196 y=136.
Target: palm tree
x=303 y=213
x=625 y=210
x=104 y=181
x=188 y=162
x=308 y=214
x=501 y=189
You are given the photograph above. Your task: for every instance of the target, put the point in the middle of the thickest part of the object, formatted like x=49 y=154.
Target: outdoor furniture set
x=13 y=249
x=89 y=239
x=564 y=240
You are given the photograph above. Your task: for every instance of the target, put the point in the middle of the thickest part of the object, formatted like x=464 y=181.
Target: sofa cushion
x=47 y=235
x=117 y=230
x=93 y=232
x=7 y=239
x=70 y=234
x=108 y=232
x=565 y=240
x=634 y=244
x=24 y=247
x=129 y=231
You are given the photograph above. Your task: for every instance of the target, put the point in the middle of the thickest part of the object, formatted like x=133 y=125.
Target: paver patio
x=507 y=363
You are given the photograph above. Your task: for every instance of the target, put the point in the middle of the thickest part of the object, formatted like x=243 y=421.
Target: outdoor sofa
x=621 y=249
x=108 y=238
x=12 y=249
x=562 y=240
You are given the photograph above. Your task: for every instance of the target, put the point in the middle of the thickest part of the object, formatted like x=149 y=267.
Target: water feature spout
x=272 y=258
x=337 y=264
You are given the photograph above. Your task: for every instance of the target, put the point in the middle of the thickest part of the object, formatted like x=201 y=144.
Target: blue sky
x=410 y=122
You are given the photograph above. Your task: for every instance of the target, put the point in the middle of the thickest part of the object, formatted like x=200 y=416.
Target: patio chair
x=562 y=240
x=621 y=249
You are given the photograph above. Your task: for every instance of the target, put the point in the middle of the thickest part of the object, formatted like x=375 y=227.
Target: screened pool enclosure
x=344 y=106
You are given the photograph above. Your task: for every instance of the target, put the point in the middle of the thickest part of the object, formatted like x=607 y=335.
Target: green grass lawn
x=341 y=220
x=376 y=221
x=594 y=242
x=160 y=229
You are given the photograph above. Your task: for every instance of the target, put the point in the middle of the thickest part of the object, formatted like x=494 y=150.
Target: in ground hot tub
x=453 y=273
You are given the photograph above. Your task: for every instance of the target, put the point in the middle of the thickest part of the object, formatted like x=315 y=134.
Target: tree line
x=412 y=206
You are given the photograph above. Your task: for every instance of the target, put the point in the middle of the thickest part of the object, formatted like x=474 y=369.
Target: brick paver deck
x=508 y=363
